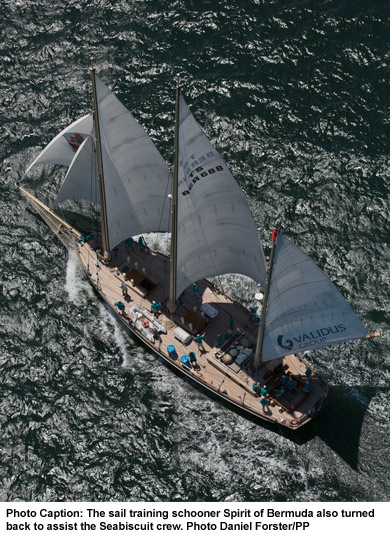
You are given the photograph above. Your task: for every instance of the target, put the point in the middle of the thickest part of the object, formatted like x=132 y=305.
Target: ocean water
x=294 y=94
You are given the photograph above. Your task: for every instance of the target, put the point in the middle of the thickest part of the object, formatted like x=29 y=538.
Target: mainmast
x=173 y=255
x=102 y=192
x=260 y=335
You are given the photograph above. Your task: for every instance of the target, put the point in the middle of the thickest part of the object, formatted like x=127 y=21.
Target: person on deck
x=265 y=403
x=155 y=308
x=199 y=341
x=263 y=391
x=124 y=290
x=291 y=384
x=279 y=392
x=192 y=357
x=218 y=339
x=120 y=306
x=284 y=381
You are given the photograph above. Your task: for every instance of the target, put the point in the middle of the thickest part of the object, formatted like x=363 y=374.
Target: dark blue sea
x=295 y=95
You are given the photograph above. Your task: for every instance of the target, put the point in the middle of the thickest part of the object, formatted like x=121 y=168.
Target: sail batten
x=212 y=238
x=305 y=310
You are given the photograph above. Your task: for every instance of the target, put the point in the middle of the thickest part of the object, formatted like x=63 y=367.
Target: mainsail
x=305 y=310
x=216 y=232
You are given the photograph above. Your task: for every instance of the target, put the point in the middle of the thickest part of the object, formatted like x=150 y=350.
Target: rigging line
x=23 y=177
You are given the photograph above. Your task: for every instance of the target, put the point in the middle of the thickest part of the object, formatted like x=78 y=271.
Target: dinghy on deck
x=146 y=322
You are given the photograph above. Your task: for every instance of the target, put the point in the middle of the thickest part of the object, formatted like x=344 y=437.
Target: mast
x=260 y=335
x=173 y=255
x=102 y=192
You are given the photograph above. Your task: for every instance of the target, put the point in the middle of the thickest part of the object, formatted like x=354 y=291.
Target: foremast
x=174 y=198
x=102 y=192
x=260 y=335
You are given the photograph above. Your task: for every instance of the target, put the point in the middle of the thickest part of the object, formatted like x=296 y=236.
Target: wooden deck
x=146 y=274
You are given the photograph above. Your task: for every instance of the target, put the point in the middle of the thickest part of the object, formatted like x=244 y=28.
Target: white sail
x=305 y=310
x=216 y=232
x=136 y=176
x=62 y=148
x=81 y=179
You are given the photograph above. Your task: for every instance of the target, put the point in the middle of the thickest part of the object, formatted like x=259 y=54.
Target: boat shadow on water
x=340 y=424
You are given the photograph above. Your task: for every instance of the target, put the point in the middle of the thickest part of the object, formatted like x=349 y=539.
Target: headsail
x=305 y=310
x=80 y=180
x=216 y=232
x=62 y=148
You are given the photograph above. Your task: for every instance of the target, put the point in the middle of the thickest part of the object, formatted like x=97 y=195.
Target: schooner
x=169 y=303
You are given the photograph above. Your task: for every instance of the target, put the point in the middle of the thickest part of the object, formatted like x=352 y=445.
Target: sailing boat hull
x=229 y=382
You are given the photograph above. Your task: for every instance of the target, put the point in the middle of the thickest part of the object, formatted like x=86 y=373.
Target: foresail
x=62 y=148
x=216 y=232
x=136 y=177
x=305 y=310
x=81 y=179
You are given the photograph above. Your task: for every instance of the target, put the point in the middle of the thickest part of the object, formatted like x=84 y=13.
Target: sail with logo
x=305 y=310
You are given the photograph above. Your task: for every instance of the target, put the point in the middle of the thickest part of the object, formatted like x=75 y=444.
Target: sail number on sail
x=199 y=172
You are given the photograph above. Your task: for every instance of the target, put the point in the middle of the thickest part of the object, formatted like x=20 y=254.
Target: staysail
x=305 y=310
x=216 y=232
x=80 y=180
